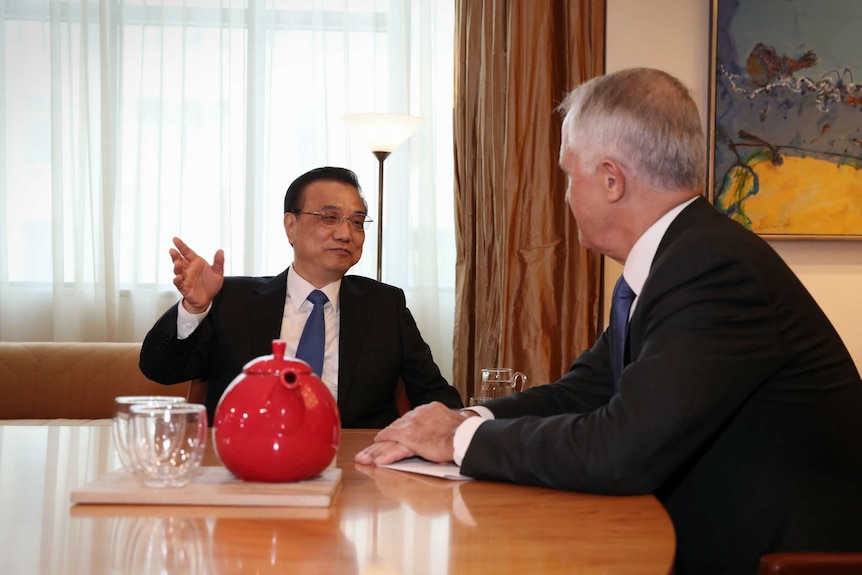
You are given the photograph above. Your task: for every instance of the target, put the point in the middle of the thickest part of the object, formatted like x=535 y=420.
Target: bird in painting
x=764 y=65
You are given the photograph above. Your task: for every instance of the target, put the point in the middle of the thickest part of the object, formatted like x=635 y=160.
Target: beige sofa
x=51 y=380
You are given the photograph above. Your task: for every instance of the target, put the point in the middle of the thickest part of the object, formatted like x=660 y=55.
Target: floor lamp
x=382 y=134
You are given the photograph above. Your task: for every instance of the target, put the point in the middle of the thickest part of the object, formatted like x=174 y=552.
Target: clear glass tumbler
x=168 y=442
x=120 y=422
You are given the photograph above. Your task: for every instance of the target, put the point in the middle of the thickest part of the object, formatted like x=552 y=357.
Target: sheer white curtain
x=127 y=122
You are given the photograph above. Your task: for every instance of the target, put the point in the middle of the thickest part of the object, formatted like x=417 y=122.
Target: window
x=128 y=122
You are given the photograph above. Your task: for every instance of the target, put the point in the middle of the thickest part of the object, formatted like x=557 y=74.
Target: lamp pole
x=381 y=157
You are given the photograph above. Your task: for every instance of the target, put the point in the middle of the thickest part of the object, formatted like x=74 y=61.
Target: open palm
x=197 y=281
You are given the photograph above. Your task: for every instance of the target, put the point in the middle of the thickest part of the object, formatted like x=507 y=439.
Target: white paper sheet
x=425 y=467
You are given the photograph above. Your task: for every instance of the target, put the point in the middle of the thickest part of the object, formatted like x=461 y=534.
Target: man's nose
x=343 y=230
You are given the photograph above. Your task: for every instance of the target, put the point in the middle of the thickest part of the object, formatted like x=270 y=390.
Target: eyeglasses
x=334 y=218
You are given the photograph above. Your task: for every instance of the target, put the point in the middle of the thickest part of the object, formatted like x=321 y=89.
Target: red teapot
x=276 y=421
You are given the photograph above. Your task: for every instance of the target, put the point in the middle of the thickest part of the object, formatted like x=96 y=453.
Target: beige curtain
x=527 y=295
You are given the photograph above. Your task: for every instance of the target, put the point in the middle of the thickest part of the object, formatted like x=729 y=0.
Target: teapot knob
x=278 y=346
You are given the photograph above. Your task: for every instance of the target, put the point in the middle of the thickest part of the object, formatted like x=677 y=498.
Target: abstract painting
x=786 y=114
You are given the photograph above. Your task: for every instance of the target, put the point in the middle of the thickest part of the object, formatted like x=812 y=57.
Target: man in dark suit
x=735 y=402
x=371 y=339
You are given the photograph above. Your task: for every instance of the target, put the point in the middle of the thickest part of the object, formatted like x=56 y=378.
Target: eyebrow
x=338 y=209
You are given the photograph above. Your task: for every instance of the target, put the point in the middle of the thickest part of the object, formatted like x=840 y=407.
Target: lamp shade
x=382 y=132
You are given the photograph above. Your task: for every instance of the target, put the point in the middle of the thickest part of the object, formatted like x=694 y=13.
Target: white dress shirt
x=293 y=322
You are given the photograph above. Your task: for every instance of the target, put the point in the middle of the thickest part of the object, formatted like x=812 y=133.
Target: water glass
x=168 y=442
x=120 y=422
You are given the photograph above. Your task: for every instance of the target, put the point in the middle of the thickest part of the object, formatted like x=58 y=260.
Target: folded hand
x=427 y=431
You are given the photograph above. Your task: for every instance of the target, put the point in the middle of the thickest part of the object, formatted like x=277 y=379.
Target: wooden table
x=382 y=522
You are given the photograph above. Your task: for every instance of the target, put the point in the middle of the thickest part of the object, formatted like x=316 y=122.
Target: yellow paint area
x=806 y=196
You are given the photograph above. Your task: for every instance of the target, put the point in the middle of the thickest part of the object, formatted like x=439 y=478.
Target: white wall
x=673 y=35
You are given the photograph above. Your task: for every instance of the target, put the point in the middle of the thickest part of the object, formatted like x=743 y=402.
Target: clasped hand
x=197 y=281
x=427 y=431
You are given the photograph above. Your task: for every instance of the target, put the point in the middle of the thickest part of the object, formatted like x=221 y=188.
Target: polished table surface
x=381 y=522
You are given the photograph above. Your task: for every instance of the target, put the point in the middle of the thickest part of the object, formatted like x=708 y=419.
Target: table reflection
x=540 y=530
x=156 y=545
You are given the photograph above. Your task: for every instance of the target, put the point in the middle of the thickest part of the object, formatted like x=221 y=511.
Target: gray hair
x=642 y=118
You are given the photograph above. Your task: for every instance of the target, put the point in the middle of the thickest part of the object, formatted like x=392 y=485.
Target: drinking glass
x=168 y=442
x=120 y=422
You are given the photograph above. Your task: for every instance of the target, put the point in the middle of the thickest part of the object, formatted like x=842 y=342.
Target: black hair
x=293 y=198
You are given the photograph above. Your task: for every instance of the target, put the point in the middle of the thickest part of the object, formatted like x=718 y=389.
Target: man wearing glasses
x=370 y=341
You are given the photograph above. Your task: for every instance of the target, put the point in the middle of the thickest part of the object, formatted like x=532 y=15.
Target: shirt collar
x=298 y=289
x=643 y=252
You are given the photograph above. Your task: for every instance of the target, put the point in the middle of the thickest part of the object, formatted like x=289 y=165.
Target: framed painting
x=785 y=144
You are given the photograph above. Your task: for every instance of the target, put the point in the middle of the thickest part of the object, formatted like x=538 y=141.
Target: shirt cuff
x=188 y=322
x=465 y=431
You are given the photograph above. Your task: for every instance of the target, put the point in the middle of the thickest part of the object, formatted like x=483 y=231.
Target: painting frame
x=785 y=121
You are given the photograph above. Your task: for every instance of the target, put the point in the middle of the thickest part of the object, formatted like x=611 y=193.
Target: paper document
x=425 y=467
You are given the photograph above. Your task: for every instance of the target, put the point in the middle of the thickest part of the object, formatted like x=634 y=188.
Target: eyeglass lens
x=334 y=218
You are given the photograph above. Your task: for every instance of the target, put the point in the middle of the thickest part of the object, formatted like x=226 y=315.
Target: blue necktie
x=620 y=307
x=312 y=341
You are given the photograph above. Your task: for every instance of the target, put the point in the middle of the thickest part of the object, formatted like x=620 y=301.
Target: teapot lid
x=276 y=363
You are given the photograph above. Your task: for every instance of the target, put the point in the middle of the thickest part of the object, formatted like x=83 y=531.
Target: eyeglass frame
x=340 y=219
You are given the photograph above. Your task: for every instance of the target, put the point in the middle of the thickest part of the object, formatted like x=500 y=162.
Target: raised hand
x=197 y=281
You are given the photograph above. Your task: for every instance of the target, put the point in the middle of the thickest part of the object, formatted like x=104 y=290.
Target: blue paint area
x=785 y=85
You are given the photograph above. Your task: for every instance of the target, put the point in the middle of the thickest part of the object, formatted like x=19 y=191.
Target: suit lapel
x=698 y=210
x=265 y=311
x=355 y=315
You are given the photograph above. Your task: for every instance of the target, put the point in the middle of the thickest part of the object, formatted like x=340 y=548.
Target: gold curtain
x=527 y=295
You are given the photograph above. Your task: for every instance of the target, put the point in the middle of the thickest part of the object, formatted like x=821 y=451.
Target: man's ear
x=290 y=222
x=614 y=180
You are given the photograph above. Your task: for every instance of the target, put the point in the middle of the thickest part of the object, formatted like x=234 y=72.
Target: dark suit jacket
x=378 y=343
x=740 y=408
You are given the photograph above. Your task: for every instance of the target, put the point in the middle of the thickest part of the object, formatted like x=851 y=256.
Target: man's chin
x=341 y=267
